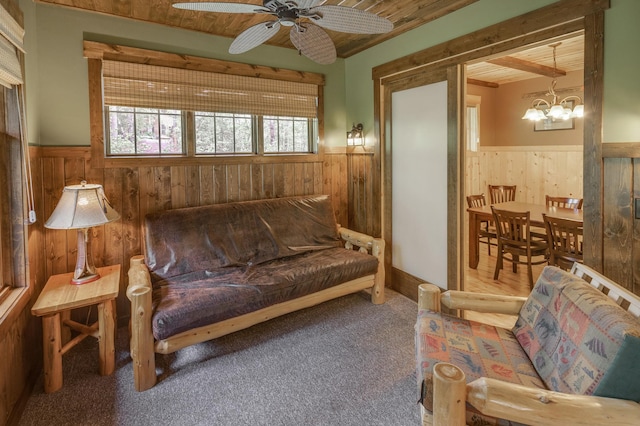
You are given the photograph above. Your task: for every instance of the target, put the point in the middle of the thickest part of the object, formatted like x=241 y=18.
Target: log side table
x=54 y=305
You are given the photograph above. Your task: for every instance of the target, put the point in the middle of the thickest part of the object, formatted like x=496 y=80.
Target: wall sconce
x=355 y=136
x=81 y=207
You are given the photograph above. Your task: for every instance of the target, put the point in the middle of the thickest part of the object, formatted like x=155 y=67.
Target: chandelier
x=541 y=109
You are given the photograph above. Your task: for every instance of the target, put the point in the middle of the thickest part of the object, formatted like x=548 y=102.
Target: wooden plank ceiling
x=404 y=14
x=532 y=62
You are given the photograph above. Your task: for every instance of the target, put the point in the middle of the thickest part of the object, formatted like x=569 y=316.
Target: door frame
x=558 y=19
x=395 y=278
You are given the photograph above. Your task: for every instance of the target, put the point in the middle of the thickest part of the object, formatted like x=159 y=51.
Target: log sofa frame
x=143 y=346
x=513 y=402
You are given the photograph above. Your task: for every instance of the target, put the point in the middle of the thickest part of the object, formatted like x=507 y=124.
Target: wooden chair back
x=476 y=200
x=565 y=202
x=486 y=232
x=565 y=237
x=513 y=228
x=513 y=231
x=502 y=193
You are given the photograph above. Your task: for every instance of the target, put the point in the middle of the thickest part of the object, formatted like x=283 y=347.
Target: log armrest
x=142 y=343
x=522 y=404
x=370 y=245
x=431 y=297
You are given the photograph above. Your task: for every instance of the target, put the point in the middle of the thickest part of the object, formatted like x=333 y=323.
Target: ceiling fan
x=305 y=17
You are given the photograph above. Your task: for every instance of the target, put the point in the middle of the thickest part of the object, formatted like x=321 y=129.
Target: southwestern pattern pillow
x=578 y=339
x=479 y=350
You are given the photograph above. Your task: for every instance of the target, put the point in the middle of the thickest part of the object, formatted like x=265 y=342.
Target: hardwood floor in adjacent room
x=508 y=283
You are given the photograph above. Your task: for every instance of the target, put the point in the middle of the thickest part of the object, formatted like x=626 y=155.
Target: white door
x=419 y=182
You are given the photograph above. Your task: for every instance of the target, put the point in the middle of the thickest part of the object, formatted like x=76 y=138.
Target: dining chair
x=515 y=241
x=502 y=193
x=487 y=230
x=566 y=202
x=565 y=239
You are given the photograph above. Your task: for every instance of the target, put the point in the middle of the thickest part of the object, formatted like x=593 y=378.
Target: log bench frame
x=516 y=402
x=143 y=346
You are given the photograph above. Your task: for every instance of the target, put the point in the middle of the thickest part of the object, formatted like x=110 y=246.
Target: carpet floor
x=344 y=362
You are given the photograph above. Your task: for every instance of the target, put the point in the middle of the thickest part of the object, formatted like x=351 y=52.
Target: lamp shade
x=81 y=206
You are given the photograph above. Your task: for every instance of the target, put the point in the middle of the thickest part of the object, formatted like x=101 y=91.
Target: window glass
x=222 y=133
x=288 y=134
x=144 y=131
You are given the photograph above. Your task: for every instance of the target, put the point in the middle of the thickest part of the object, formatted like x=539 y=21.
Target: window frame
x=15 y=287
x=189 y=139
x=96 y=52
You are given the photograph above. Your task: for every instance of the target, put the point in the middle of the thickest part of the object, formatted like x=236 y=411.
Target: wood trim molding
x=65 y=151
x=593 y=173
x=531 y=148
x=482 y=42
x=100 y=51
x=621 y=150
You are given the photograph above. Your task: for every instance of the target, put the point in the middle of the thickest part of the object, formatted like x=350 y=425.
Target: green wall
x=621 y=65
x=622 y=60
x=57 y=71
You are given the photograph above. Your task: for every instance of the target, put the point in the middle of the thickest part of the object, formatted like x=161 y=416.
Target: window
x=287 y=134
x=14 y=202
x=171 y=108
x=473 y=123
x=152 y=131
x=140 y=131
x=220 y=133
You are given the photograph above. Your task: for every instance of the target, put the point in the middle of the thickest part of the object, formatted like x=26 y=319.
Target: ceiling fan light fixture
x=314 y=43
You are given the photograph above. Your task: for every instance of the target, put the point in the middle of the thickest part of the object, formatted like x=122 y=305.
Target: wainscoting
x=536 y=171
x=621 y=247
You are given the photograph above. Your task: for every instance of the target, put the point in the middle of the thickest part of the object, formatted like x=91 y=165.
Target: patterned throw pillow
x=578 y=339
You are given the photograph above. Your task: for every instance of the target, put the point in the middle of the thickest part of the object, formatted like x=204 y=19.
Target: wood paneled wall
x=363 y=201
x=536 y=171
x=621 y=251
x=137 y=191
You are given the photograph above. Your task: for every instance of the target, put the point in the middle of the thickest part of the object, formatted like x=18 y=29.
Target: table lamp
x=81 y=207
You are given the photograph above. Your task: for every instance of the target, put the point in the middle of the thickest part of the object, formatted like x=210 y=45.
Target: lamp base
x=85 y=279
x=84 y=271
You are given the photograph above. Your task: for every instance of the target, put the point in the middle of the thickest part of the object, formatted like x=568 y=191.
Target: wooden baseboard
x=27 y=390
x=405 y=283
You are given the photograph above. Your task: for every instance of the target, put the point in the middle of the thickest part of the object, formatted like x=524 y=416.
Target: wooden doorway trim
x=557 y=19
x=399 y=280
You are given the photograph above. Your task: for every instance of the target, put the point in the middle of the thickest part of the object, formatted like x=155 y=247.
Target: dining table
x=479 y=214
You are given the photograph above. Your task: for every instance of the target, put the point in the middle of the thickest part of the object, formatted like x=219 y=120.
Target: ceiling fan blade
x=348 y=20
x=219 y=7
x=254 y=36
x=307 y=4
x=314 y=43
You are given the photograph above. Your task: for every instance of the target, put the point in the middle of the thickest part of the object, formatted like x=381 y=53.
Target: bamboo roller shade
x=151 y=86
